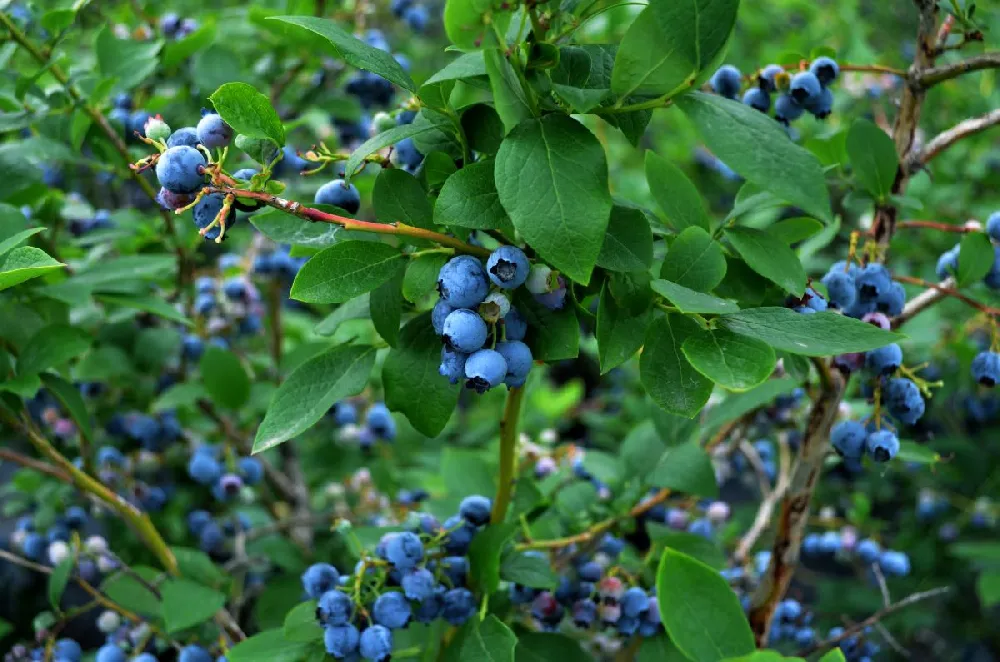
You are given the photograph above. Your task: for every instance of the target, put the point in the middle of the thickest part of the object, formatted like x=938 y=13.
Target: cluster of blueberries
x=225 y=476
x=801 y=92
x=125 y=640
x=414 y=14
x=175 y=27
x=372 y=90
x=482 y=332
x=101 y=220
x=237 y=312
x=131 y=122
x=51 y=544
x=378 y=423
x=359 y=616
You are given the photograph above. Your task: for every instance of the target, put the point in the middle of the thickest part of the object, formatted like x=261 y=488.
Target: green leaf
x=668 y=377
x=975 y=258
x=71 y=400
x=508 y=95
x=628 y=243
x=910 y=451
x=421 y=276
x=186 y=604
x=248 y=112
x=23 y=264
x=311 y=390
x=18 y=238
x=620 y=331
x=794 y=230
x=737 y=405
x=50 y=348
x=548 y=647
x=695 y=261
x=301 y=623
x=345 y=270
x=641 y=449
x=484 y=556
x=770 y=257
x=413 y=385
x=129 y=61
x=464 y=21
x=675 y=195
x=437 y=132
x=466 y=65
x=5 y=628
x=466 y=472
x=147 y=303
x=985 y=551
x=469 y=199
x=822 y=334
x=689 y=301
x=184 y=394
x=988 y=588
x=775 y=163
x=125 y=590
x=354 y=51
x=381 y=141
x=59 y=579
x=225 y=378
x=700 y=612
x=670 y=43
x=696 y=546
x=527 y=570
x=835 y=655
x=386 y=308
x=269 y=646
x=283 y=228
x=197 y=566
x=399 y=198
x=488 y=640
x=553 y=335
x=357 y=308
x=483 y=129
x=552 y=178
x=686 y=468
x=873 y=158
x=734 y=362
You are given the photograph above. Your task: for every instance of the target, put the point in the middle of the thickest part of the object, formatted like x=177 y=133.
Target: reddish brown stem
x=981 y=307
x=935 y=225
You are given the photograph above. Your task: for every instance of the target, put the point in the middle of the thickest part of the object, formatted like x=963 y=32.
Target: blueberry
x=460 y=534
x=882 y=445
x=416 y=18
x=825 y=69
x=804 y=87
x=213 y=131
x=245 y=174
x=67 y=649
x=456 y=568
x=786 y=109
x=399 y=7
x=251 y=469
x=198 y=520
x=485 y=369
x=418 y=584
x=464 y=331
x=430 y=608
x=206 y=211
x=986 y=368
x=339 y=194
x=376 y=39
x=341 y=640
x=768 y=78
x=840 y=287
x=392 y=610
x=186 y=137
x=508 y=267
x=211 y=538
x=891 y=300
x=204 y=469
x=868 y=550
x=518 y=358
x=701 y=527
x=554 y=300
x=872 y=280
x=376 y=643
x=203 y=304
x=462 y=282
x=459 y=605
x=821 y=105
x=726 y=81
x=848 y=439
x=110 y=653
x=109 y=456
x=584 y=613
x=178 y=169
x=992 y=279
x=476 y=509
x=76 y=517
x=452 y=365
x=515 y=327
x=757 y=99
x=405 y=153
x=404 y=550
x=947 y=264
x=334 y=608
x=438 y=315
x=884 y=360
x=904 y=400
x=380 y=421
x=123 y=101
x=895 y=564
x=591 y=571
x=634 y=602
x=194 y=653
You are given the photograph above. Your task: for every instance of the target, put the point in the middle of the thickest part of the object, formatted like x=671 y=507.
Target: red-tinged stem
x=948 y=291
x=935 y=225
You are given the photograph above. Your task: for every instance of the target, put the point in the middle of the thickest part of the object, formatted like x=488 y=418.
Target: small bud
x=96 y=545
x=156 y=129
x=539 y=279
x=106 y=564
x=108 y=622
x=502 y=302
x=58 y=552
x=382 y=122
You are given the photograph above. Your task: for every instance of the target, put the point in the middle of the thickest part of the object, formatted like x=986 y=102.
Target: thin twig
x=936 y=225
x=32 y=463
x=948 y=291
x=767 y=504
x=935 y=75
x=753 y=457
x=922 y=302
x=882 y=586
x=946 y=139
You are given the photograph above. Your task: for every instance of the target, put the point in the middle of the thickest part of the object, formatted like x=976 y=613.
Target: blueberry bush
x=499 y=330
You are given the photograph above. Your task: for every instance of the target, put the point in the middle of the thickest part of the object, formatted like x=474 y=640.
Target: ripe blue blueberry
x=339 y=194
x=476 y=509
x=380 y=421
x=947 y=264
x=786 y=109
x=179 y=169
x=404 y=550
x=986 y=368
x=416 y=18
x=992 y=279
x=194 y=653
x=825 y=69
x=726 y=81
x=251 y=469
x=896 y=564
x=891 y=300
x=197 y=520
x=584 y=613
x=211 y=538
x=757 y=99
x=485 y=369
x=459 y=536
x=318 y=579
x=884 y=360
x=515 y=327
x=882 y=445
x=508 y=267
x=376 y=643
x=204 y=469
x=821 y=105
x=993 y=226
x=462 y=282
x=334 y=608
x=452 y=365
x=872 y=280
x=186 y=136
x=848 y=439
x=110 y=653
x=840 y=287
x=206 y=211
x=193 y=346
x=341 y=640
x=518 y=358
x=464 y=331
x=399 y=7
x=345 y=413
x=418 y=584
x=590 y=571
x=634 y=602
x=213 y=131
x=804 y=87
x=406 y=154
x=904 y=400
x=245 y=174
x=456 y=568
x=768 y=78
x=439 y=314
x=76 y=517
x=868 y=550
x=392 y=610
x=459 y=605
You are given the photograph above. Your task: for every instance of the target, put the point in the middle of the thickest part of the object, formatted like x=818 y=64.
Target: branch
x=508 y=454
x=875 y=618
x=767 y=504
x=946 y=139
x=946 y=290
x=935 y=225
x=32 y=463
x=935 y=75
x=923 y=301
